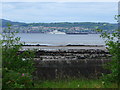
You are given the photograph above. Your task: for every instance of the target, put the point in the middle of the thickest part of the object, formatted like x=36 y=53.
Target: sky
x=46 y=12
x=60 y=0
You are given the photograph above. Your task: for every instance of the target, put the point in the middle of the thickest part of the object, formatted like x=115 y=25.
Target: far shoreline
x=69 y=45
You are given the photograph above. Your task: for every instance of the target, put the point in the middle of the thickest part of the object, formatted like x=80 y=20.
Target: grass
x=74 y=83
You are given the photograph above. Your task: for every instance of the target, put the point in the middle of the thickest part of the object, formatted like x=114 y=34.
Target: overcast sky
x=30 y=12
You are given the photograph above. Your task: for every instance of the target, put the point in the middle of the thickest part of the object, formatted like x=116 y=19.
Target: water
x=61 y=39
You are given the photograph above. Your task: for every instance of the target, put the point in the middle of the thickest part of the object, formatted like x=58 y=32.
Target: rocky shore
x=69 y=61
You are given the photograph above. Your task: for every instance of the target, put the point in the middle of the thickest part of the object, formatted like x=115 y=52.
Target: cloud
x=1 y=10
x=53 y=11
x=60 y=1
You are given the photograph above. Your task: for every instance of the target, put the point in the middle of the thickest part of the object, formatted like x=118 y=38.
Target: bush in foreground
x=17 y=68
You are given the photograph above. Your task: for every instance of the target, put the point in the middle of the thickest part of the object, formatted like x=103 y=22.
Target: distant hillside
x=5 y=22
x=60 y=26
x=91 y=25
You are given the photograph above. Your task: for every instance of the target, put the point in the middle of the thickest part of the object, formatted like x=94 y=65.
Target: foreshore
x=71 y=60
x=63 y=47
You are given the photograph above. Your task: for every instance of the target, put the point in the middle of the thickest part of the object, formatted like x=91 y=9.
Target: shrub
x=113 y=46
x=17 y=67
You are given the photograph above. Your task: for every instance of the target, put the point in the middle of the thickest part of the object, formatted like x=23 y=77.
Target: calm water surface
x=61 y=39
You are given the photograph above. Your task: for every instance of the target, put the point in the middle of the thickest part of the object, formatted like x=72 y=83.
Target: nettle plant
x=112 y=41
x=17 y=67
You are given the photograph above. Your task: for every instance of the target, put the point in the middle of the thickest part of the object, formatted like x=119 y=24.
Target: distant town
x=61 y=27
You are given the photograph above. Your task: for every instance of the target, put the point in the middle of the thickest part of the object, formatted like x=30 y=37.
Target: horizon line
x=62 y=21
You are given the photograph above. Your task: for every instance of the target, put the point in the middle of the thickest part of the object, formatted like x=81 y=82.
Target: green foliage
x=74 y=83
x=17 y=67
x=13 y=79
x=113 y=46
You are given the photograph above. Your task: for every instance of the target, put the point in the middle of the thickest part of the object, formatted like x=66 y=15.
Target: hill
x=60 y=26
x=5 y=22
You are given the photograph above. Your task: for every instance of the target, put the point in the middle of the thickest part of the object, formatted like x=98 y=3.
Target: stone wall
x=70 y=63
